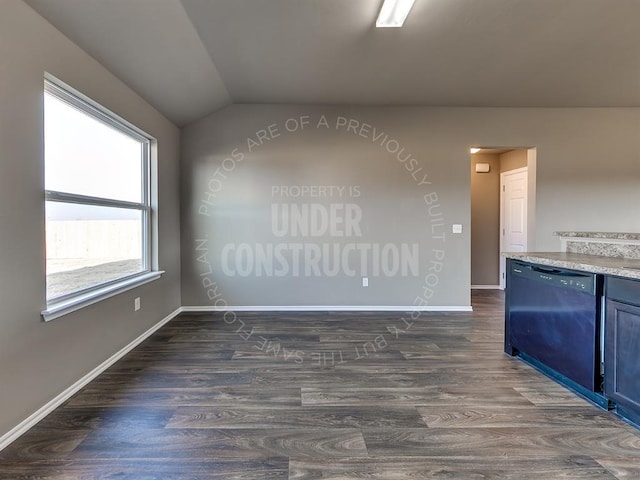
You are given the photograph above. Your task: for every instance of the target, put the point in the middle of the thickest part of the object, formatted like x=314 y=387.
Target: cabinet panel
x=622 y=357
x=623 y=290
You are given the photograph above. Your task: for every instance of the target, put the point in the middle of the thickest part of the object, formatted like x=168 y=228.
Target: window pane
x=89 y=245
x=88 y=157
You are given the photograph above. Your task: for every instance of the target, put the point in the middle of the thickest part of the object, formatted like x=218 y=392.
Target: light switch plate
x=365 y=281
x=456 y=228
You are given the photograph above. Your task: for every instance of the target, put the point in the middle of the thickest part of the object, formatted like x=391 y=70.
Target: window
x=96 y=201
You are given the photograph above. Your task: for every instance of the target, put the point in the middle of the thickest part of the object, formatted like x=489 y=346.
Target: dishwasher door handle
x=553 y=271
x=559 y=273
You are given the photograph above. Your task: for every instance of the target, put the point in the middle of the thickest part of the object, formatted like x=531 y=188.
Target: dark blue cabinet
x=622 y=346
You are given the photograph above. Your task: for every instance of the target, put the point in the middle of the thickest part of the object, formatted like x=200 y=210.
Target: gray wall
x=588 y=172
x=485 y=221
x=39 y=360
x=513 y=160
x=389 y=194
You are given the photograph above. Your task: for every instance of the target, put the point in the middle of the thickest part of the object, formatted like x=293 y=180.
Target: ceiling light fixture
x=394 y=12
x=474 y=150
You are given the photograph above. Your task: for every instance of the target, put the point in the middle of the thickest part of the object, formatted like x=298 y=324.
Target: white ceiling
x=191 y=57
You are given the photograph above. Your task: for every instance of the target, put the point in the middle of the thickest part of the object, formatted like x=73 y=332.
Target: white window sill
x=56 y=310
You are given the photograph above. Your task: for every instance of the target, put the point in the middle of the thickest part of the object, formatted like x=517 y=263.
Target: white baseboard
x=485 y=287
x=326 y=308
x=33 y=419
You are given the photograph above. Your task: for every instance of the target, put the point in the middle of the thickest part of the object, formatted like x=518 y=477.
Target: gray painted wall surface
x=513 y=159
x=485 y=221
x=588 y=172
x=398 y=197
x=39 y=360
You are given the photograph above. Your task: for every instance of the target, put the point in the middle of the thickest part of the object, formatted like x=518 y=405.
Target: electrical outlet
x=365 y=281
x=136 y=304
x=456 y=228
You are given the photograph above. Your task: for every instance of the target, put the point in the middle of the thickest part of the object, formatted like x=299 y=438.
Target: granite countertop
x=601 y=235
x=621 y=267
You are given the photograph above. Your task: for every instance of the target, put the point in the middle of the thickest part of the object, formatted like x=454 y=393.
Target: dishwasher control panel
x=572 y=279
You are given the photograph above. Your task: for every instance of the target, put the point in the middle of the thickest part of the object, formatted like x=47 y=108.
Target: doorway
x=490 y=169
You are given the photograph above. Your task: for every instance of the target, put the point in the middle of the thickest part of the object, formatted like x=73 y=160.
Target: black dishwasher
x=553 y=316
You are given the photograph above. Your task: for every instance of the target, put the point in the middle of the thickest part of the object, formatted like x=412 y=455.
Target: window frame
x=69 y=302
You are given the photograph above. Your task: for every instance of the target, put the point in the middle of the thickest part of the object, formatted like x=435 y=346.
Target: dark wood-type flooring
x=326 y=396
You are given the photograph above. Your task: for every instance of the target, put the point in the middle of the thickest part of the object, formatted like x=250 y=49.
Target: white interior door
x=513 y=215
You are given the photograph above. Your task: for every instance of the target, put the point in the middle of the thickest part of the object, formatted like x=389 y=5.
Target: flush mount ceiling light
x=394 y=12
x=474 y=150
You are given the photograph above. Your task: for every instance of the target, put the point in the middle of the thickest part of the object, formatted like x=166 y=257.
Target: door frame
x=503 y=175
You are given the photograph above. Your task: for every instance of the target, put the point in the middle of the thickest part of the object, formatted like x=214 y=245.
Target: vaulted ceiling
x=189 y=58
